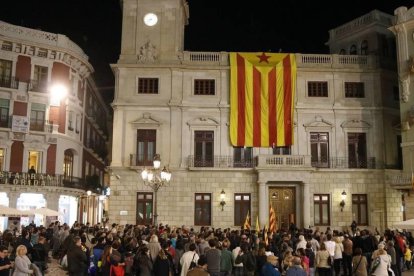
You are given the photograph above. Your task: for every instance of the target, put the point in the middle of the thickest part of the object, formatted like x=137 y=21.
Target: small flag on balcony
x=257 y=225
x=272 y=220
x=266 y=238
x=246 y=225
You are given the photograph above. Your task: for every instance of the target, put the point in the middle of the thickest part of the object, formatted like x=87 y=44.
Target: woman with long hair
x=359 y=263
x=322 y=266
x=105 y=267
x=163 y=263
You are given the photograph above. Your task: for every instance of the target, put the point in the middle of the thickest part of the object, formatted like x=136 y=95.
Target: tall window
x=146 y=142
x=281 y=150
x=354 y=90
x=319 y=149
x=204 y=148
x=321 y=212
x=35 y=160
x=353 y=50
x=37 y=117
x=357 y=150
x=39 y=78
x=243 y=157
x=317 y=89
x=144 y=208
x=5 y=73
x=2 y=153
x=360 y=208
x=147 y=86
x=68 y=165
x=241 y=208
x=202 y=212
x=204 y=87
x=70 y=120
x=4 y=113
x=364 y=48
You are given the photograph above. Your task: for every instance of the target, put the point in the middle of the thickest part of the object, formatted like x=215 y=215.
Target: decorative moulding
x=318 y=122
x=203 y=121
x=146 y=120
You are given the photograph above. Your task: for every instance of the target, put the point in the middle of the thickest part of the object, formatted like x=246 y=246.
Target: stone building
x=53 y=145
x=342 y=166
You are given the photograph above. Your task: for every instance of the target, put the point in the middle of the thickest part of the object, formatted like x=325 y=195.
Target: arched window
x=68 y=165
x=342 y=52
x=353 y=50
x=364 y=48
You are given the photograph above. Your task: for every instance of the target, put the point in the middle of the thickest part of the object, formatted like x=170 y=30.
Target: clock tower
x=153 y=30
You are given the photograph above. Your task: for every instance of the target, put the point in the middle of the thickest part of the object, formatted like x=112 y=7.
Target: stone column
x=263 y=210
x=306 y=205
x=13 y=196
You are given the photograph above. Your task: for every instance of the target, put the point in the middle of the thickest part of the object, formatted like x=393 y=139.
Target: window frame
x=359 y=160
x=203 y=160
x=357 y=202
x=4 y=113
x=240 y=206
x=68 y=159
x=318 y=89
x=202 y=203
x=204 y=87
x=147 y=136
x=242 y=157
x=146 y=202
x=319 y=203
x=354 y=90
x=148 y=86
x=320 y=163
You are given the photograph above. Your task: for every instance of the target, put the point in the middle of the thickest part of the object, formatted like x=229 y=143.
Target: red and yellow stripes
x=272 y=220
x=262 y=88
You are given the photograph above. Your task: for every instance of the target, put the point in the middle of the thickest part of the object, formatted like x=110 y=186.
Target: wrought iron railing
x=220 y=161
x=348 y=163
x=9 y=82
x=38 y=86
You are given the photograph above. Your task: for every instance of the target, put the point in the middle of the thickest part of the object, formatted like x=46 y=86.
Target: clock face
x=150 y=19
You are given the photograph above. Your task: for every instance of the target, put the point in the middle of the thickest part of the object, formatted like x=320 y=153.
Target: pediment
x=318 y=122
x=147 y=120
x=203 y=121
x=356 y=124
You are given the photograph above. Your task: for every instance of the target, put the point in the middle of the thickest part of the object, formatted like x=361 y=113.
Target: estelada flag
x=262 y=90
x=246 y=225
x=272 y=220
x=257 y=225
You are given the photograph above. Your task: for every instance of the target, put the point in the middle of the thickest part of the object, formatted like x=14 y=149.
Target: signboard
x=20 y=124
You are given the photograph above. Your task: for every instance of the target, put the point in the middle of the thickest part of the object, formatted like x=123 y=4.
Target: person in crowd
x=311 y=256
x=322 y=264
x=359 y=263
x=339 y=248
x=5 y=264
x=301 y=244
x=39 y=254
x=163 y=263
x=213 y=256
x=296 y=269
x=270 y=267
x=347 y=255
x=261 y=257
x=77 y=259
x=117 y=265
x=188 y=257
x=393 y=255
x=381 y=264
x=304 y=260
x=22 y=262
x=247 y=258
x=407 y=258
x=154 y=247
x=145 y=265
x=200 y=269
x=226 y=259
x=237 y=268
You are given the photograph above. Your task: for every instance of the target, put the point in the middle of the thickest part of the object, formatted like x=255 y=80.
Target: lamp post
x=156 y=178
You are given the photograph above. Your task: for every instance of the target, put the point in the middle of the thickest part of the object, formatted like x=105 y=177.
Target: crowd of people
x=180 y=251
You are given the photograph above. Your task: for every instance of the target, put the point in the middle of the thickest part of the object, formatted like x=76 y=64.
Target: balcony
x=346 y=163
x=9 y=82
x=287 y=161
x=38 y=86
x=219 y=161
x=44 y=126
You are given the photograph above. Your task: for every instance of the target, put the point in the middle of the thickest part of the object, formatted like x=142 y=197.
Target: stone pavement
x=55 y=269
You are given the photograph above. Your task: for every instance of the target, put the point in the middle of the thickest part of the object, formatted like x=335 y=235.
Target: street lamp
x=156 y=178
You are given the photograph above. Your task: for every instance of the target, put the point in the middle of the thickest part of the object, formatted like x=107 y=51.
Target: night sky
x=215 y=25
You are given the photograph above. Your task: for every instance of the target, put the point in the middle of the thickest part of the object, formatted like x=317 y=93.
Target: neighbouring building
x=345 y=161
x=53 y=145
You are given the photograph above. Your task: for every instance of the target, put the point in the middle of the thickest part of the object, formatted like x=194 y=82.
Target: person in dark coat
x=163 y=262
x=144 y=262
x=77 y=260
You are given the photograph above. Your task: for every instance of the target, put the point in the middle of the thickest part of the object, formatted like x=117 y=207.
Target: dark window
x=144 y=208
x=243 y=157
x=317 y=89
x=204 y=148
x=202 y=212
x=322 y=214
x=342 y=52
x=70 y=120
x=281 y=150
x=364 y=48
x=4 y=113
x=357 y=150
x=354 y=90
x=146 y=142
x=37 y=117
x=319 y=149
x=396 y=93
x=68 y=165
x=360 y=208
x=148 y=86
x=241 y=208
x=353 y=50
x=204 y=87
x=5 y=73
